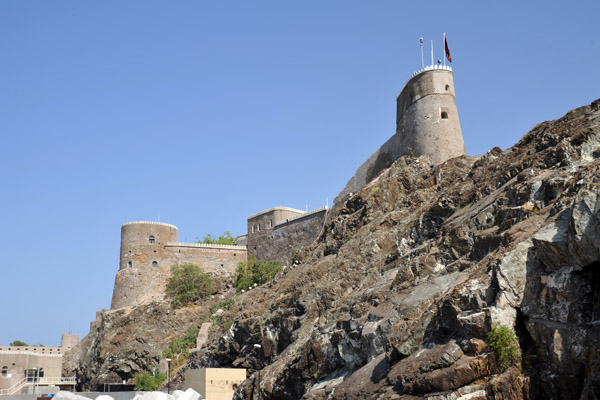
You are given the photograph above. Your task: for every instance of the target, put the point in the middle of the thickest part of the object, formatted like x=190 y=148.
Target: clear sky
x=201 y=113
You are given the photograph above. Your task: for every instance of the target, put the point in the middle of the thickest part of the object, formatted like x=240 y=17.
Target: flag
x=447 y=49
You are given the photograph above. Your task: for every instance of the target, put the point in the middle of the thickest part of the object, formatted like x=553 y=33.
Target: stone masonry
x=149 y=249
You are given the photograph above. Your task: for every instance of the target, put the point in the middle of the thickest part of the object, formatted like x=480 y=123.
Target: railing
x=30 y=380
x=29 y=352
x=209 y=246
x=306 y=214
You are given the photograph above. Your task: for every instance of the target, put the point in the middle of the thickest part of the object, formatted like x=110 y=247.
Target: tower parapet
x=426 y=124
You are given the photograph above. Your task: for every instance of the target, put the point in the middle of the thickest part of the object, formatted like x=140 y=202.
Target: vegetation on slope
x=187 y=284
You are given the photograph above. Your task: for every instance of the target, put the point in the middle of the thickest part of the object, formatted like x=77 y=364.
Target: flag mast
x=444 y=55
x=432 y=52
x=422 y=62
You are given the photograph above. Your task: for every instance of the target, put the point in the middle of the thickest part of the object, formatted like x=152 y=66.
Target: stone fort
x=427 y=123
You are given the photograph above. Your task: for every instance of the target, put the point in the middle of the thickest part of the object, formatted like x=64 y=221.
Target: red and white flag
x=448 y=56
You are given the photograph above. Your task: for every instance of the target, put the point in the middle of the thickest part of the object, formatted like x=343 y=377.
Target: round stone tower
x=427 y=117
x=143 y=268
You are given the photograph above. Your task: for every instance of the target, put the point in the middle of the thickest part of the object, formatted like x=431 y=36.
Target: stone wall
x=287 y=236
x=149 y=249
x=426 y=124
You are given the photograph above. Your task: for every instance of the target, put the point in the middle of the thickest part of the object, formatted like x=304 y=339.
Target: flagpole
x=444 y=55
x=432 y=53
x=422 y=62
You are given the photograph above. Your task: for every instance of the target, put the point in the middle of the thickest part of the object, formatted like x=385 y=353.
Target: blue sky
x=201 y=113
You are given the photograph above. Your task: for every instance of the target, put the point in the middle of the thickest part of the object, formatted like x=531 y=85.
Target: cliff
x=409 y=275
x=395 y=298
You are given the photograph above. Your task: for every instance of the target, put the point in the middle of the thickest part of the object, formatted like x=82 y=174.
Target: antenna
x=422 y=62
x=432 y=52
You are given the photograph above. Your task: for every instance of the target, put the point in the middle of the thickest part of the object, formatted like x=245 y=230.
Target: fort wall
x=426 y=124
x=277 y=242
x=149 y=249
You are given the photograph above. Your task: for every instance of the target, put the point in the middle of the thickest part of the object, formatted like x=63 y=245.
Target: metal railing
x=31 y=380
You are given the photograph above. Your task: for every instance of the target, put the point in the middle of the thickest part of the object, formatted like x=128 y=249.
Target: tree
x=18 y=343
x=148 y=382
x=225 y=238
x=187 y=284
x=505 y=345
x=253 y=271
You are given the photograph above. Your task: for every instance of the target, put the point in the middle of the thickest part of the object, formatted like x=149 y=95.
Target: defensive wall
x=275 y=233
x=426 y=124
x=149 y=249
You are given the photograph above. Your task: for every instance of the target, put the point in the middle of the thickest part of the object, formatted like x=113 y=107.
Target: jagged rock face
x=125 y=342
x=394 y=298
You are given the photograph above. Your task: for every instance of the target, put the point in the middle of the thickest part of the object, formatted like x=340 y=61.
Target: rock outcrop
x=397 y=295
x=125 y=342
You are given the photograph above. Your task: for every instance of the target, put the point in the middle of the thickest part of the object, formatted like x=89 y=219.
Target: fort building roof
x=149 y=223
x=276 y=209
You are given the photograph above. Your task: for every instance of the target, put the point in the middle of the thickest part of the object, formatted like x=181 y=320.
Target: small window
x=444 y=115
x=151 y=239
x=259 y=227
x=154 y=264
x=447 y=87
x=253 y=227
x=4 y=370
x=129 y=264
x=270 y=223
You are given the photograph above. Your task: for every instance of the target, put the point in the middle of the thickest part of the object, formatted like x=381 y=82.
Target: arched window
x=151 y=239
x=444 y=115
x=259 y=227
x=41 y=373
x=155 y=264
x=4 y=370
x=129 y=264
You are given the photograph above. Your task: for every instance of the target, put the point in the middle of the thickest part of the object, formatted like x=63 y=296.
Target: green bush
x=187 y=284
x=225 y=238
x=148 y=382
x=179 y=347
x=251 y=272
x=505 y=345
x=18 y=343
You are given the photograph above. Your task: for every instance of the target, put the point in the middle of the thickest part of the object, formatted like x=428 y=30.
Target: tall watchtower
x=426 y=115
x=426 y=124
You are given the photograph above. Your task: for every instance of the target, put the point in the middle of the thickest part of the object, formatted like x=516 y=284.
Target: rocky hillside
x=395 y=298
x=127 y=341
